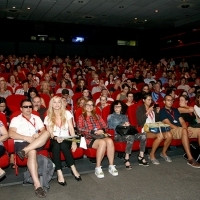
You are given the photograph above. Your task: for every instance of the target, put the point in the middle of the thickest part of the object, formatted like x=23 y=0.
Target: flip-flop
x=2 y=175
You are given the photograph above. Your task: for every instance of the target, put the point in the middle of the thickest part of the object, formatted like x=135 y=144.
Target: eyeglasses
x=117 y=106
x=27 y=106
x=89 y=105
x=170 y=100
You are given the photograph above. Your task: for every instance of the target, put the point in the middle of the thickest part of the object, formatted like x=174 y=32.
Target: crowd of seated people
x=113 y=82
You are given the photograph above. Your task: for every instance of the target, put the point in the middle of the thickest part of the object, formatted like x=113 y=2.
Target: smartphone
x=156 y=105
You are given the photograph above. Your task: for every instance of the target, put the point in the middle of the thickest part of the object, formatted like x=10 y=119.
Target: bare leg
x=110 y=150
x=100 y=146
x=167 y=142
x=33 y=167
x=39 y=142
x=74 y=170
x=156 y=143
x=60 y=176
x=186 y=144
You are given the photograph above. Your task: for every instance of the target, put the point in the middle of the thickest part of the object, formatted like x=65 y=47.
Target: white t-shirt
x=62 y=131
x=150 y=119
x=24 y=127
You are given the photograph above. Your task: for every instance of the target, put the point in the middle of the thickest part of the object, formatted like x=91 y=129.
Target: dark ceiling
x=136 y=14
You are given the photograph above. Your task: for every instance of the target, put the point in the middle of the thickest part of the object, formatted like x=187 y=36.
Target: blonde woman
x=46 y=89
x=3 y=89
x=59 y=123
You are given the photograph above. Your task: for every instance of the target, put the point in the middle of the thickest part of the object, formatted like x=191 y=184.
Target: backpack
x=45 y=171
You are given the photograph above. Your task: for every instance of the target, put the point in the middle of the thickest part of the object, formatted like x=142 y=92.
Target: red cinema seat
x=17 y=161
x=105 y=112
x=4 y=160
x=14 y=100
x=46 y=98
x=76 y=96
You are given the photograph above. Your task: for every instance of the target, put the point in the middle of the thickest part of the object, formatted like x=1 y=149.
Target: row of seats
x=90 y=152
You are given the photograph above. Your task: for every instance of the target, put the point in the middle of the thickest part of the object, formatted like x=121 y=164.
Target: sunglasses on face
x=27 y=106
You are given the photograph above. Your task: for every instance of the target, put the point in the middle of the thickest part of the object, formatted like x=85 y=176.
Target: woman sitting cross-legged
x=118 y=117
x=91 y=123
x=146 y=113
x=59 y=124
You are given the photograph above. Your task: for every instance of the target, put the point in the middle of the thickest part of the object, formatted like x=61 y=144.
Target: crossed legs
x=38 y=142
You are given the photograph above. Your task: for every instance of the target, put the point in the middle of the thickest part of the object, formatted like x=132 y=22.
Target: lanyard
x=33 y=124
x=171 y=113
x=59 y=126
x=30 y=121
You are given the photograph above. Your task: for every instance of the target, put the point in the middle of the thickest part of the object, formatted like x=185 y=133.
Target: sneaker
x=112 y=170
x=193 y=163
x=99 y=173
x=155 y=161
x=167 y=158
x=40 y=192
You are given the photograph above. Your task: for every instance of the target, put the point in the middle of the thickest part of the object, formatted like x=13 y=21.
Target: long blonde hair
x=51 y=114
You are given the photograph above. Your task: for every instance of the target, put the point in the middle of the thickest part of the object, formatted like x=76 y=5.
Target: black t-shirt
x=189 y=117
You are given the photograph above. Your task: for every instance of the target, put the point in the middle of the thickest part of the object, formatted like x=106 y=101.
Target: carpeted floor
x=167 y=181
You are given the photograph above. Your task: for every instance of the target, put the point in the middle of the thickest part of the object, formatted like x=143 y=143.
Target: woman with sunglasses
x=90 y=122
x=59 y=123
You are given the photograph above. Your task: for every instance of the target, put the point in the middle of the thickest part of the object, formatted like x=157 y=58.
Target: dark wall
x=181 y=44
x=99 y=41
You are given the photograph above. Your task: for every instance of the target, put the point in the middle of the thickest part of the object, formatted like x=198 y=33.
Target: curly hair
x=51 y=114
x=117 y=102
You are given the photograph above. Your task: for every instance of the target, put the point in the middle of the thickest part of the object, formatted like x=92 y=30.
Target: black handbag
x=126 y=130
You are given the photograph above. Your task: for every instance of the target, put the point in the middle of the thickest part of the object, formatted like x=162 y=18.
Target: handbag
x=157 y=127
x=100 y=136
x=126 y=130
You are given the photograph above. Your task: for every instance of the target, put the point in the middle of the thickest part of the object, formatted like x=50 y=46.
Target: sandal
x=141 y=161
x=128 y=167
x=12 y=165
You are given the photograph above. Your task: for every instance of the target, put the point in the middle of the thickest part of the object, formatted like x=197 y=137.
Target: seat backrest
x=76 y=96
x=14 y=100
x=105 y=112
x=131 y=112
x=96 y=95
x=77 y=114
x=46 y=98
x=114 y=94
